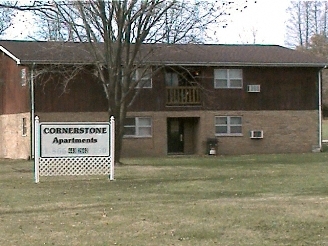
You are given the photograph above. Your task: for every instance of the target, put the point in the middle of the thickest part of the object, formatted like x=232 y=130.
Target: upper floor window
x=143 y=76
x=23 y=77
x=137 y=127
x=228 y=78
x=228 y=125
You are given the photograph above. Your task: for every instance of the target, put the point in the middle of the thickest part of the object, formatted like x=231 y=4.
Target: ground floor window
x=228 y=125
x=137 y=127
x=24 y=127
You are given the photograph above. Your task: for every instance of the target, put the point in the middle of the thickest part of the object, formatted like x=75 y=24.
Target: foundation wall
x=284 y=131
x=13 y=144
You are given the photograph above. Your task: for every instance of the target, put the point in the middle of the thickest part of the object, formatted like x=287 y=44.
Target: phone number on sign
x=75 y=151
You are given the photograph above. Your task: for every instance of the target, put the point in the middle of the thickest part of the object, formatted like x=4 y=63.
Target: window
x=24 y=127
x=143 y=77
x=228 y=125
x=137 y=127
x=23 y=77
x=171 y=79
x=228 y=78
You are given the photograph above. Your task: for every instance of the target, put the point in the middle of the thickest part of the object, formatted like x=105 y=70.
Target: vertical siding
x=14 y=96
x=2 y=78
x=82 y=94
x=281 y=89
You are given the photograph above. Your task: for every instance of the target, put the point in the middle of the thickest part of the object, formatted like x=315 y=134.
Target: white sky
x=266 y=18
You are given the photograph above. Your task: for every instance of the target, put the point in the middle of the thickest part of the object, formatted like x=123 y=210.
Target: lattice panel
x=74 y=166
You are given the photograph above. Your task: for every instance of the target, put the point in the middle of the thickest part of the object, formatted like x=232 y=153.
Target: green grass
x=325 y=129
x=237 y=200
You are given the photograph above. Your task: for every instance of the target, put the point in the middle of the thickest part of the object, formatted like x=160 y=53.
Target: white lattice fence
x=74 y=165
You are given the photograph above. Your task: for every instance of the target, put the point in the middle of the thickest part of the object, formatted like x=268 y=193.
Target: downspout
x=320 y=105
x=32 y=110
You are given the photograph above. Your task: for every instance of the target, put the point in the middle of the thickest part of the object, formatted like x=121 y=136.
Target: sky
x=266 y=18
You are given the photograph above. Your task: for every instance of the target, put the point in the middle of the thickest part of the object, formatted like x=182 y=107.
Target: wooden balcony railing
x=182 y=95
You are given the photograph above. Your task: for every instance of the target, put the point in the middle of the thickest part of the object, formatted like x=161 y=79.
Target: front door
x=175 y=135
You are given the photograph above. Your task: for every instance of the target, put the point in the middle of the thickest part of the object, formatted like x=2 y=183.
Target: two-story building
x=248 y=98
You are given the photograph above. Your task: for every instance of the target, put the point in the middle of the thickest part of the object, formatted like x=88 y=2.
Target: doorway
x=175 y=135
x=182 y=135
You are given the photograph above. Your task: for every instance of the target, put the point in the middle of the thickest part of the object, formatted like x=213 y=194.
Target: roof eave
x=169 y=63
x=11 y=55
x=28 y=62
x=243 y=64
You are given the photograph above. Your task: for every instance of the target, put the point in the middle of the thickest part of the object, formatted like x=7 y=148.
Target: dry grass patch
x=245 y=200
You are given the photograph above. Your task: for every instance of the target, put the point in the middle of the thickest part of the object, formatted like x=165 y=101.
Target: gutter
x=236 y=64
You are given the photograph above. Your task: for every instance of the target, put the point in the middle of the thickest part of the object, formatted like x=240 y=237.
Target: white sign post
x=66 y=148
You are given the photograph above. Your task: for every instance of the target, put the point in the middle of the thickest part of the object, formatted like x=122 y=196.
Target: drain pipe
x=32 y=111
x=320 y=106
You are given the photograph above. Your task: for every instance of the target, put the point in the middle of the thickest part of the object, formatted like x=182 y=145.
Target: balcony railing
x=182 y=95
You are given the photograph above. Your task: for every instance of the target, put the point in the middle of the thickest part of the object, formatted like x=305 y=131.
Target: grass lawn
x=237 y=200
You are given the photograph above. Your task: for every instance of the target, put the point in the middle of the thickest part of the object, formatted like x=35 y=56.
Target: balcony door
x=175 y=135
x=171 y=79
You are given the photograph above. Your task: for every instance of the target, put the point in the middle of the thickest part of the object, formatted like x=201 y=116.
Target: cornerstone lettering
x=75 y=130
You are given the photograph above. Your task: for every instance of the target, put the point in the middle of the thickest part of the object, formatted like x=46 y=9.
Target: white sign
x=74 y=139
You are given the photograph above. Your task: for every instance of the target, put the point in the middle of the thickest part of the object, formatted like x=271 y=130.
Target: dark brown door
x=175 y=136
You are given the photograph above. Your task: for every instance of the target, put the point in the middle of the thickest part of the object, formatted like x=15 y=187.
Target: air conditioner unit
x=256 y=134
x=253 y=88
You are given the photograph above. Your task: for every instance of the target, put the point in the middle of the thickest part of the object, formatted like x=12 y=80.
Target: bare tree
x=6 y=18
x=306 y=19
x=116 y=31
x=51 y=29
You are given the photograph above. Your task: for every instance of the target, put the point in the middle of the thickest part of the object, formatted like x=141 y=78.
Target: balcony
x=182 y=95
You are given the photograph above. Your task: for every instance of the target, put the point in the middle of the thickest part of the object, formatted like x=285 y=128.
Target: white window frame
x=138 y=127
x=229 y=78
x=24 y=127
x=23 y=76
x=229 y=125
x=143 y=75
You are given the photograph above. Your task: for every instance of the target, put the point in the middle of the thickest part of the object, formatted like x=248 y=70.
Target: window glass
x=143 y=76
x=144 y=121
x=24 y=127
x=228 y=125
x=228 y=78
x=221 y=129
x=221 y=120
x=235 y=120
x=171 y=79
x=221 y=83
x=129 y=121
x=235 y=129
x=235 y=74
x=137 y=127
x=23 y=77
x=129 y=131
x=144 y=131
x=235 y=83
x=221 y=73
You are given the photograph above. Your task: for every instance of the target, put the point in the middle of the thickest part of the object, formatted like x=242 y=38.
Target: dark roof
x=28 y=52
